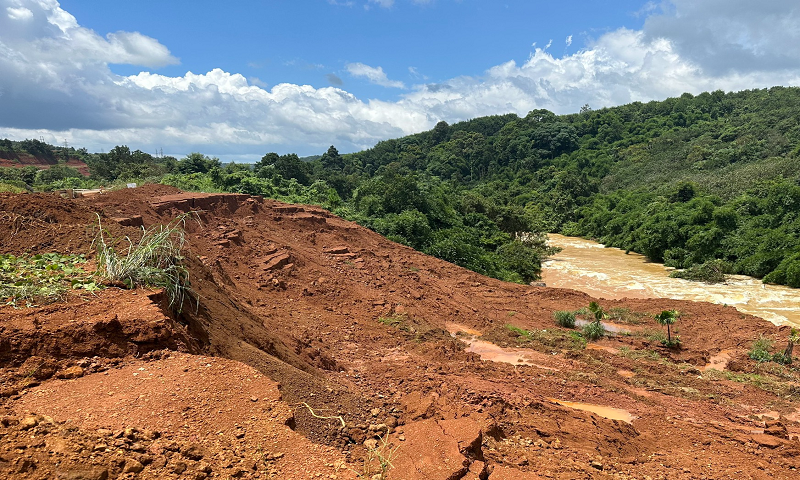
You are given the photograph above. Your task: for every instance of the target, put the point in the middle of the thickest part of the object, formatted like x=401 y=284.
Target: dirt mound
x=360 y=337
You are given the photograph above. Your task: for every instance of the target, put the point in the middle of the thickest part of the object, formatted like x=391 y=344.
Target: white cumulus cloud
x=375 y=75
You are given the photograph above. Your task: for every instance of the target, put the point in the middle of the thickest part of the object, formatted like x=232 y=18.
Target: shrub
x=709 y=272
x=594 y=330
x=565 y=318
x=759 y=351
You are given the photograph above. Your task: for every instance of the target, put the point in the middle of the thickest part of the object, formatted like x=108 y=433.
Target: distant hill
x=40 y=155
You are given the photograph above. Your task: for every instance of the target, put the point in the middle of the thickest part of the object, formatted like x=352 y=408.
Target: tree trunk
x=788 y=352
x=669 y=335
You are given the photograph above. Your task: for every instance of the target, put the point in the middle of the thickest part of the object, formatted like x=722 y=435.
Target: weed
x=519 y=332
x=564 y=318
x=154 y=261
x=383 y=453
x=594 y=330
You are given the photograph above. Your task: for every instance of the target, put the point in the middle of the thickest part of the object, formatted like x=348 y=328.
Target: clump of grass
x=42 y=278
x=565 y=318
x=154 y=261
x=594 y=330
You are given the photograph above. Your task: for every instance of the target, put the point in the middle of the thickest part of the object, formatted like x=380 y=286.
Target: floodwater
x=611 y=273
x=605 y=412
x=494 y=353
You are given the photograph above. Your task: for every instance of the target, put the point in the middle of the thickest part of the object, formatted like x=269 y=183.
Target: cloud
x=20 y=13
x=569 y=40
x=375 y=75
x=725 y=36
x=415 y=73
x=55 y=82
x=334 y=80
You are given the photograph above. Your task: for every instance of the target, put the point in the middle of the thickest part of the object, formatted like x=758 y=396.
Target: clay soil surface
x=315 y=348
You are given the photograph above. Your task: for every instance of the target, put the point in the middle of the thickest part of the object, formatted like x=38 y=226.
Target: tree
x=668 y=317
x=197 y=163
x=332 y=161
x=440 y=132
x=290 y=166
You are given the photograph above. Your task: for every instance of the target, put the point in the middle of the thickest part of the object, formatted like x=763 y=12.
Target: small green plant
x=597 y=311
x=668 y=317
x=594 y=330
x=384 y=453
x=42 y=278
x=759 y=351
x=564 y=318
x=154 y=261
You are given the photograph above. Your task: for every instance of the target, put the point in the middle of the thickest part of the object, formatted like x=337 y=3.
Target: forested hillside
x=684 y=181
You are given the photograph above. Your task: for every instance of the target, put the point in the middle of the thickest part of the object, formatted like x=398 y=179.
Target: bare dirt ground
x=319 y=349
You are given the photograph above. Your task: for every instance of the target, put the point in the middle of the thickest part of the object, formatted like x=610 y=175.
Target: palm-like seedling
x=668 y=317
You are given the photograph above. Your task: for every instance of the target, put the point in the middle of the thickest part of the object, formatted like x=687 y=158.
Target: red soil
x=303 y=315
x=15 y=160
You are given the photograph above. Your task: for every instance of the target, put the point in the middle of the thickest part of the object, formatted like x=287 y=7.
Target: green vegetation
x=155 y=260
x=712 y=271
x=669 y=317
x=759 y=351
x=709 y=181
x=594 y=330
x=565 y=318
x=42 y=278
x=761 y=347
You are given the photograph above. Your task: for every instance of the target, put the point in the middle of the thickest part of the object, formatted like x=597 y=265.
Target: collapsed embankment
x=353 y=339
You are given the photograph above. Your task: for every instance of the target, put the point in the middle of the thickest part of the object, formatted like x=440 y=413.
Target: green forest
x=694 y=181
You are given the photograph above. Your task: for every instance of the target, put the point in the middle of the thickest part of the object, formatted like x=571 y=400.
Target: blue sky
x=303 y=42
x=239 y=79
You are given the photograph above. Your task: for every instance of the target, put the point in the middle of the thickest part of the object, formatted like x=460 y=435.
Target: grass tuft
x=154 y=261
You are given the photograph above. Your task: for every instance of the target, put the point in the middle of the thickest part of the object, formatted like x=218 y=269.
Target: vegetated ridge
x=312 y=347
x=685 y=181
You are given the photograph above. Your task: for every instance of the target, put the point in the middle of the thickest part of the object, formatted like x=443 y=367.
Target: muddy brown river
x=610 y=273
